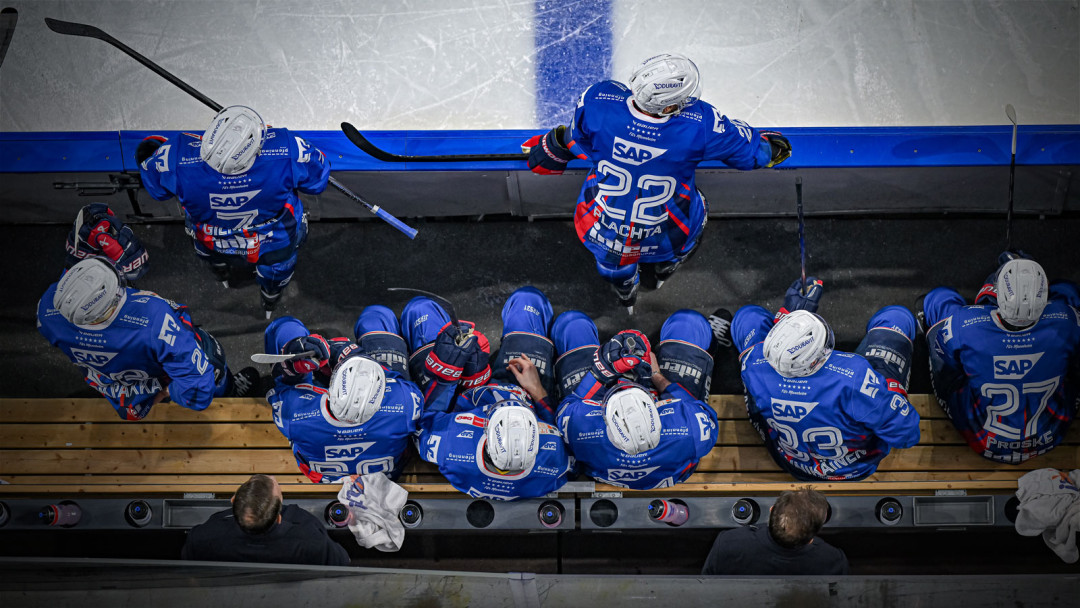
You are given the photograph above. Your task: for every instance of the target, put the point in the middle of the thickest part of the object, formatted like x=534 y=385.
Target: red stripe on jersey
x=681 y=225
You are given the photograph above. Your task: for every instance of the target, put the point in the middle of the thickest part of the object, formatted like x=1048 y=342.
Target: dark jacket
x=751 y=550
x=300 y=538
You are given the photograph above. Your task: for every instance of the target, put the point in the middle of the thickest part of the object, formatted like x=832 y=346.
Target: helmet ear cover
x=665 y=84
x=233 y=140
x=799 y=344
x=630 y=416
x=89 y=292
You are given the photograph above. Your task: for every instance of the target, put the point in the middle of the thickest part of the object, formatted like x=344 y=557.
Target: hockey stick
x=362 y=142
x=89 y=31
x=1011 y=113
x=8 y=18
x=268 y=358
x=802 y=229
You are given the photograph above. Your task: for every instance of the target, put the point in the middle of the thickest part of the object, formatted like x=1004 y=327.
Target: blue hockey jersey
x=453 y=439
x=835 y=424
x=149 y=345
x=248 y=214
x=1007 y=392
x=639 y=201
x=327 y=449
x=688 y=433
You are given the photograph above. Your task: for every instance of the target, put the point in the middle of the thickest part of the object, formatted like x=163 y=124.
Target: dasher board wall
x=493 y=64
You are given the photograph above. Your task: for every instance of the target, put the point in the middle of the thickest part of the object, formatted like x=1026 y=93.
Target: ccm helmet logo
x=634 y=153
x=232 y=200
x=1014 y=367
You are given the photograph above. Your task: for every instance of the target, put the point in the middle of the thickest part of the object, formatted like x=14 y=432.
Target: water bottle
x=670 y=512
x=65 y=514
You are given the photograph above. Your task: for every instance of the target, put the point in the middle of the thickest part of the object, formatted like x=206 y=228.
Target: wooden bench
x=80 y=446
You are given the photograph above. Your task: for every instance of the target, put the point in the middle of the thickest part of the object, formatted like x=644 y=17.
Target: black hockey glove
x=547 y=153
x=793 y=300
x=147 y=147
x=781 y=147
x=624 y=353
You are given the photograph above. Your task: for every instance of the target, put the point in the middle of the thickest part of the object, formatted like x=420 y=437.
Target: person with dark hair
x=259 y=528
x=789 y=545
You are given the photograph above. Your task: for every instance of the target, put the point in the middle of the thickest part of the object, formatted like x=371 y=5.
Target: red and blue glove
x=547 y=153
x=627 y=352
x=794 y=300
x=300 y=367
x=460 y=355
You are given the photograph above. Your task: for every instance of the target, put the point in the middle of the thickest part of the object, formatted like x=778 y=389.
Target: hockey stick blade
x=81 y=29
x=8 y=18
x=268 y=358
x=377 y=153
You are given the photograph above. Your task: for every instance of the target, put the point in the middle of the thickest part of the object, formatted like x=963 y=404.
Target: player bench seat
x=67 y=446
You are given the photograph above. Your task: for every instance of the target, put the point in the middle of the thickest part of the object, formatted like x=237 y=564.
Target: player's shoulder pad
x=607 y=91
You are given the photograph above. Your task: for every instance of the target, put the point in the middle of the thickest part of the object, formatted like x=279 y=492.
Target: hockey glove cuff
x=547 y=154
x=299 y=367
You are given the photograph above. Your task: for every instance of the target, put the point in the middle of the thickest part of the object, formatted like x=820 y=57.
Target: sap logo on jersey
x=94 y=358
x=232 y=200
x=1014 y=367
x=634 y=153
x=629 y=474
x=791 y=411
x=347 y=452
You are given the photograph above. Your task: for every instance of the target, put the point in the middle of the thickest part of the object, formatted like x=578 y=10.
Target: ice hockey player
x=98 y=232
x=138 y=349
x=639 y=203
x=629 y=422
x=238 y=185
x=1006 y=370
x=493 y=439
x=343 y=412
x=825 y=414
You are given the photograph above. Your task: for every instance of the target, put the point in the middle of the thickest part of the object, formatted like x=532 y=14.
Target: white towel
x=1050 y=506
x=374 y=502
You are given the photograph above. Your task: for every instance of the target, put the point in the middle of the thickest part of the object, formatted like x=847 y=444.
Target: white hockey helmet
x=1021 y=291
x=233 y=140
x=356 y=390
x=89 y=292
x=512 y=437
x=665 y=80
x=633 y=424
x=799 y=344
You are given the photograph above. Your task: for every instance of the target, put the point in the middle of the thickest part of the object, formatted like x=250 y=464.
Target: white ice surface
x=431 y=64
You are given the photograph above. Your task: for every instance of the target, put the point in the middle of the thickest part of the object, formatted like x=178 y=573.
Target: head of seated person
x=256 y=506
x=797 y=516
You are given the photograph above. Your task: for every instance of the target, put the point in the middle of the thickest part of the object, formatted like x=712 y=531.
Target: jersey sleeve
x=190 y=372
x=890 y=415
x=159 y=171
x=278 y=397
x=1065 y=290
x=735 y=143
x=311 y=168
x=579 y=130
x=701 y=417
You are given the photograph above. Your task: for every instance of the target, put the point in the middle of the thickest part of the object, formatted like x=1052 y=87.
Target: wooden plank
x=142 y=436
x=918 y=458
x=190 y=461
x=99 y=410
x=222 y=485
